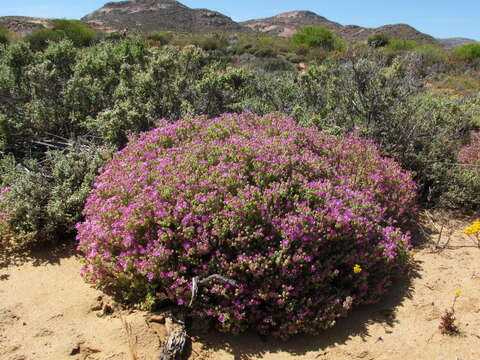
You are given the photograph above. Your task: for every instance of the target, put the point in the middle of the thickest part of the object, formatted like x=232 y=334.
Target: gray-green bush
x=102 y=94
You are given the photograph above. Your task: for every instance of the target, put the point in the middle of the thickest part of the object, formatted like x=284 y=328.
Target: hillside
x=456 y=41
x=151 y=15
x=286 y=24
x=23 y=25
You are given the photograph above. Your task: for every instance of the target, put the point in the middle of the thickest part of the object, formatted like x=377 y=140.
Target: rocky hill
x=286 y=24
x=455 y=42
x=23 y=25
x=152 y=15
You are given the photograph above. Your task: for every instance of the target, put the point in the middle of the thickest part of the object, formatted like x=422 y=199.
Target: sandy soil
x=48 y=312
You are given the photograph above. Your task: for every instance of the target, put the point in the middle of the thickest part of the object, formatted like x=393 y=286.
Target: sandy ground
x=48 y=312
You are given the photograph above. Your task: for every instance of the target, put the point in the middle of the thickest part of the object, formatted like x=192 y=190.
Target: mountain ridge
x=287 y=23
x=172 y=15
x=154 y=15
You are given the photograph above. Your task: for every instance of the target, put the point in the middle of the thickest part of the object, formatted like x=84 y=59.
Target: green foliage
x=116 y=89
x=379 y=40
x=163 y=37
x=3 y=36
x=423 y=132
x=44 y=199
x=272 y=65
x=468 y=52
x=402 y=45
x=40 y=39
x=432 y=55
x=76 y=31
x=210 y=42
x=315 y=36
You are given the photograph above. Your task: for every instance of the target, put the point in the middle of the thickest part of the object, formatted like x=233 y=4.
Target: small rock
x=19 y=357
x=96 y=307
x=75 y=350
x=363 y=354
x=107 y=309
x=44 y=333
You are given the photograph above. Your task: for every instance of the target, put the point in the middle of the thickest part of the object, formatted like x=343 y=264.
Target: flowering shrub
x=470 y=154
x=305 y=223
x=473 y=229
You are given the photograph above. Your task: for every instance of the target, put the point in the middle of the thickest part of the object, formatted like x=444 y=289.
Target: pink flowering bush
x=307 y=224
x=470 y=154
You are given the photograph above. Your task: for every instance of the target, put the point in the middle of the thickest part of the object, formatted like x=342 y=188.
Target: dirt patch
x=48 y=312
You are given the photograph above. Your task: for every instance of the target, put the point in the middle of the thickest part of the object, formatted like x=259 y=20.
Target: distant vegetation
x=316 y=36
x=468 y=52
x=75 y=31
x=379 y=40
x=3 y=36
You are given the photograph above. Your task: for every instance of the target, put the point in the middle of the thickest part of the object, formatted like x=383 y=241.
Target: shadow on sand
x=37 y=256
x=251 y=345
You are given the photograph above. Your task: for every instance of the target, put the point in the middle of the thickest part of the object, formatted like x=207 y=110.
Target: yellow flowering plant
x=357 y=269
x=474 y=231
x=447 y=322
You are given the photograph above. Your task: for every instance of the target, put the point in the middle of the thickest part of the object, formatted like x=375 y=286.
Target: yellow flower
x=357 y=269
x=473 y=229
x=458 y=292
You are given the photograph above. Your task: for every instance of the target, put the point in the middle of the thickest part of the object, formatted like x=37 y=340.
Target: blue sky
x=440 y=18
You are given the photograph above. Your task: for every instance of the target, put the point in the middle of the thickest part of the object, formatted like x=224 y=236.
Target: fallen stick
x=177 y=338
x=177 y=333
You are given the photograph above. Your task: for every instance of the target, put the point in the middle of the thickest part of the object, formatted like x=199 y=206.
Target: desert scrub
x=306 y=224
x=464 y=185
x=41 y=201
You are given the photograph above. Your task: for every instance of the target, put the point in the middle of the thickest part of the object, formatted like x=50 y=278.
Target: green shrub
x=300 y=49
x=315 y=36
x=43 y=200
x=76 y=31
x=210 y=42
x=39 y=40
x=468 y=52
x=294 y=58
x=422 y=131
x=402 y=45
x=273 y=64
x=264 y=52
x=379 y=40
x=162 y=37
x=464 y=190
x=432 y=55
x=3 y=37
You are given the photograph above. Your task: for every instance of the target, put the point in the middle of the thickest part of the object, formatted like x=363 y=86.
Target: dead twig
x=196 y=283
x=177 y=338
